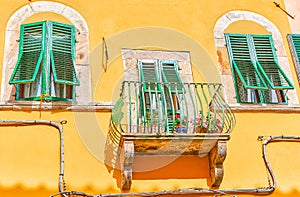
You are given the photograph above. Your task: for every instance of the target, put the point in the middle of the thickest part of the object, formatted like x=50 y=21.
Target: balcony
x=157 y=129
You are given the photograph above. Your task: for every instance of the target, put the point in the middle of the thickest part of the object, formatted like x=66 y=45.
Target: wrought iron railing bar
x=150 y=118
x=217 y=109
x=232 y=121
x=221 y=111
x=144 y=109
x=210 y=107
x=136 y=87
x=224 y=107
x=178 y=102
x=206 y=102
x=219 y=106
x=194 y=106
x=200 y=102
x=229 y=116
x=163 y=95
x=158 y=111
x=171 y=100
x=129 y=98
x=228 y=123
x=186 y=106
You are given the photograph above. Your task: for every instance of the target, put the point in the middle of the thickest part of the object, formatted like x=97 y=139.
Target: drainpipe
x=61 y=139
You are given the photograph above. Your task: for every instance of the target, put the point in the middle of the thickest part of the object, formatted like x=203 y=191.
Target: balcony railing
x=194 y=116
x=168 y=108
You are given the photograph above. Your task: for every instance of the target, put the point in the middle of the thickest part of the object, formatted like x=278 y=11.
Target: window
x=162 y=87
x=257 y=75
x=46 y=63
x=294 y=43
x=149 y=76
x=168 y=83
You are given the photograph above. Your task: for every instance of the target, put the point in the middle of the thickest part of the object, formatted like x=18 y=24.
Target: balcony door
x=161 y=92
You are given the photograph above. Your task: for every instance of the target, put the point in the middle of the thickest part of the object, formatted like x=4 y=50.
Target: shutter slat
x=242 y=61
x=171 y=76
x=294 y=44
x=63 y=54
x=268 y=64
x=30 y=54
x=149 y=76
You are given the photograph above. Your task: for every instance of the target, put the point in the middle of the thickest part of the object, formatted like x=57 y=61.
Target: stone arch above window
x=83 y=92
x=224 y=65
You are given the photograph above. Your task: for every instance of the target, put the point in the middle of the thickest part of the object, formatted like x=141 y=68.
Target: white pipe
x=201 y=191
x=61 y=139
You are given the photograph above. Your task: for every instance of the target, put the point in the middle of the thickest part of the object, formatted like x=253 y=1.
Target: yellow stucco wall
x=29 y=155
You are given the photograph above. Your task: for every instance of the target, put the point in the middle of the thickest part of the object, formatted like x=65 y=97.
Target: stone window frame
x=83 y=92
x=131 y=56
x=294 y=48
x=224 y=65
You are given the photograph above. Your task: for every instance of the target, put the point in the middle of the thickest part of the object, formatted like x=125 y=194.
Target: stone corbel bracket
x=216 y=158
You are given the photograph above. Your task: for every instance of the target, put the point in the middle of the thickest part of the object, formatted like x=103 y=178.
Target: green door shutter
x=268 y=64
x=149 y=76
x=62 y=53
x=242 y=62
x=31 y=53
x=169 y=70
x=294 y=43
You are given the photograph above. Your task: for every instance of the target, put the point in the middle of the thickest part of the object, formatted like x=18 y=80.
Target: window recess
x=257 y=75
x=294 y=44
x=46 y=63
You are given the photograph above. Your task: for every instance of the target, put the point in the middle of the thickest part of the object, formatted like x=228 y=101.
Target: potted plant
x=214 y=124
x=200 y=123
x=179 y=124
x=209 y=123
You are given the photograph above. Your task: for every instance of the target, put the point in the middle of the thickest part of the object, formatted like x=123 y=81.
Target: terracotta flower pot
x=200 y=130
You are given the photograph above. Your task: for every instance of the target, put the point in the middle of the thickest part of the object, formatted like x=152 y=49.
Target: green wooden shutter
x=294 y=43
x=171 y=76
x=268 y=64
x=31 y=53
x=242 y=62
x=62 y=53
x=148 y=75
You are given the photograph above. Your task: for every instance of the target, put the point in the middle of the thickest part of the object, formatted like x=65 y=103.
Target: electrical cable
x=200 y=191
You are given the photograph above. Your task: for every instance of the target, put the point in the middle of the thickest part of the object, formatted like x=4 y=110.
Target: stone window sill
x=265 y=107
x=56 y=106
